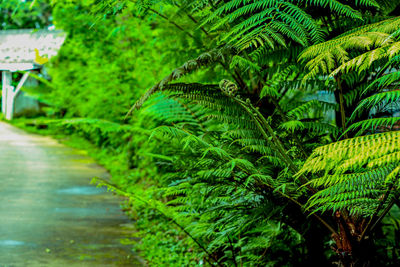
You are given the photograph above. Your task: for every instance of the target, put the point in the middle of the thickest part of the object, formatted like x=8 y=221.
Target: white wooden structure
x=19 y=51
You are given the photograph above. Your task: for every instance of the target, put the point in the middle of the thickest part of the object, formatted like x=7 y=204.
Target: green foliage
x=30 y=14
x=235 y=157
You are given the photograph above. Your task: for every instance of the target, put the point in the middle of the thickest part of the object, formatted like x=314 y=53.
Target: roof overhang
x=23 y=49
x=18 y=66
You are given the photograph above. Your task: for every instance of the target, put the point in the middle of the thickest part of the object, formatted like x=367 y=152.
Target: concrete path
x=49 y=214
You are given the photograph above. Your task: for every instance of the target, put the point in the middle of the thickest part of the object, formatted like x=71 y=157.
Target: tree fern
x=229 y=151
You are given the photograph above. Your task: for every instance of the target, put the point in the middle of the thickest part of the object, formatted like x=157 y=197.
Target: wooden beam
x=18 y=66
x=21 y=82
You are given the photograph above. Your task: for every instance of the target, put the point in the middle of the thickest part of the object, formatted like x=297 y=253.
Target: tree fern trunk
x=362 y=255
x=350 y=250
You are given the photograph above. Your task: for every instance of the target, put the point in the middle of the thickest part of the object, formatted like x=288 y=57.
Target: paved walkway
x=49 y=214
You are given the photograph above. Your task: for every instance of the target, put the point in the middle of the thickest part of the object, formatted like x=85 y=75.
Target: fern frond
x=354 y=180
x=357 y=193
x=354 y=173
x=373 y=124
x=274 y=84
x=244 y=64
x=299 y=111
x=377 y=99
x=360 y=150
x=260 y=23
x=385 y=80
x=321 y=127
x=292 y=126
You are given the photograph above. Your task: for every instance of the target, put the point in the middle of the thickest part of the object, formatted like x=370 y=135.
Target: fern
x=259 y=23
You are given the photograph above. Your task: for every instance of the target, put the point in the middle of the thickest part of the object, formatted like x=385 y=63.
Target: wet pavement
x=49 y=213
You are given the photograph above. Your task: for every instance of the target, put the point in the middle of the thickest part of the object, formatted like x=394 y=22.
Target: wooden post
x=10 y=103
x=11 y=94
x=6 y=82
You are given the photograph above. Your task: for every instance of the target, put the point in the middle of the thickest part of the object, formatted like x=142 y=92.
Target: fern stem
x=285 y=119
x=280 y=146
x=277 y=145
x=280 y=111
x=375 y=215
x=281 y=151
x=260 y=121
x=341 y=104
x=194 y=239
x=102 y=182
x=241 y=81
x=387 y=209
x=188 y=109
x=233 y=251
